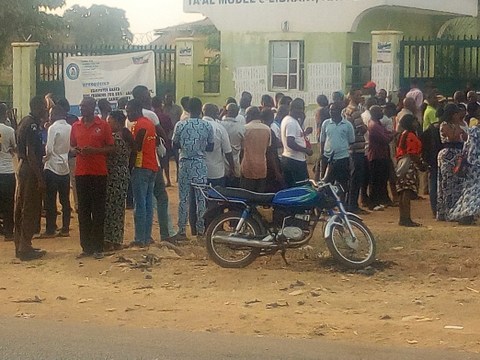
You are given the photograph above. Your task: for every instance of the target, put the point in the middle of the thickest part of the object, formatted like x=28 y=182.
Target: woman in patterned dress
x=408 y=145
x=467 y=207
x=117 y=181
x=450 y=185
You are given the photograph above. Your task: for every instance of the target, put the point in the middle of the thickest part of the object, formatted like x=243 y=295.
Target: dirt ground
x=425 y=290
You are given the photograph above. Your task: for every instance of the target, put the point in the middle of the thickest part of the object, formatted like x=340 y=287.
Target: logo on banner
x=139 y=60
x=73 y=71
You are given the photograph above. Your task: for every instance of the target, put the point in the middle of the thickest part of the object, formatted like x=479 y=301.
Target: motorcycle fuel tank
x=304 y=196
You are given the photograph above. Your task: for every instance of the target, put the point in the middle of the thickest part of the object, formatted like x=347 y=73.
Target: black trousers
x=7 y=202
x=57 y=184
x=378 y=180
x=91 y=192
x=294 y=171
x=339 y=171
x=255 y=185
x=357 y=175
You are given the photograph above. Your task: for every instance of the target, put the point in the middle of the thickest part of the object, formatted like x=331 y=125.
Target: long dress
x=469 y=202
x=117 y=185
x=450 y=185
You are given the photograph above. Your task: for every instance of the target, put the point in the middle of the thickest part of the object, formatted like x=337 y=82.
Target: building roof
x=167 y=36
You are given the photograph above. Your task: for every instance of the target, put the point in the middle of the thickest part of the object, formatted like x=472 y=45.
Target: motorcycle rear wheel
x=346 y=255
x=231 y=256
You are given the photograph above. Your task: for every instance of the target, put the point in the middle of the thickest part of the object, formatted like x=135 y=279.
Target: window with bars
x=287 y=65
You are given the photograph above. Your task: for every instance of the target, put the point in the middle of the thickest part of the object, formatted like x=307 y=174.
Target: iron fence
x=446 y=64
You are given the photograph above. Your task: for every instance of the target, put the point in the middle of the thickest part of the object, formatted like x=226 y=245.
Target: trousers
x=7 y=202
x=92 y=194
x=57 y=184
x=191 y=171
x=163 y=214
x=143 y=182
x=28 y=208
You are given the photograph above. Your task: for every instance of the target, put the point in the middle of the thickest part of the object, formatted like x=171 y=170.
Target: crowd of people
x=117 y=156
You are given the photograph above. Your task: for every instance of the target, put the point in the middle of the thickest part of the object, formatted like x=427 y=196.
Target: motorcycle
x=243 y=225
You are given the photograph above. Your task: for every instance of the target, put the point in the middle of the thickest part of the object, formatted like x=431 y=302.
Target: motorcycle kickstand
x=283 y=257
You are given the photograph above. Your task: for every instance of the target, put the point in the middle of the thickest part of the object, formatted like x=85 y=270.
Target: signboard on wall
x=384 y=52
x=107 y=77
x=185 y=54
x=309 y=15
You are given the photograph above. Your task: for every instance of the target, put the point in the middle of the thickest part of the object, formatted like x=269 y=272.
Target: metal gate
x=445 y=64
x=50 y=65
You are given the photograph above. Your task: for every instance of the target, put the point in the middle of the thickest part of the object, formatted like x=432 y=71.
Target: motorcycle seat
x=242 y=195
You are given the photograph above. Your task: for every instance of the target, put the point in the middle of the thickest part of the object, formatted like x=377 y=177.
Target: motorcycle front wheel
x=231 y=255
x=353 y=253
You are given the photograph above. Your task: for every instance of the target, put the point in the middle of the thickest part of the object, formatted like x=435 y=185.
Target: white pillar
x=385 y=59
x=24 y=76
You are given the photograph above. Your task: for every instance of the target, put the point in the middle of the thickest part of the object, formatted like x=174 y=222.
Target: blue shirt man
x=336 y=136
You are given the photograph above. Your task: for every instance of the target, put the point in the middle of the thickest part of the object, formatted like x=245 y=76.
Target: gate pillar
x=189 y=73
x=24 y=76
x=386 y=59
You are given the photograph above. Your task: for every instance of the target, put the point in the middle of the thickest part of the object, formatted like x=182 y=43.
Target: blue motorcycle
x=243 y=225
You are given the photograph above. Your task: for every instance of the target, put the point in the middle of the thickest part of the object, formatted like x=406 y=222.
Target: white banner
x=108 y=77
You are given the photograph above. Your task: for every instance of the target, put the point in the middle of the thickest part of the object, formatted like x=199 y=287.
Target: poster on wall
x=185 y=54
x=384 y=52
x=107 y=77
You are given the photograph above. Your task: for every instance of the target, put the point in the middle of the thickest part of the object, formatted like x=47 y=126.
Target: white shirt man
x=7 y=147
x=58 y=147
x=290 y=127
x=216 y=159
x=236 y=133
x=57 y=173
x=7 y=178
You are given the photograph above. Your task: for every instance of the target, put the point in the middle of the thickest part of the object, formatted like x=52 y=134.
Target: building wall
x=252 y=49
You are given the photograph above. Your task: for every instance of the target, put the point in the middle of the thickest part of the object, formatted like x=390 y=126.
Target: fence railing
x=6 y=95
x=446 y=63
x=50 y=64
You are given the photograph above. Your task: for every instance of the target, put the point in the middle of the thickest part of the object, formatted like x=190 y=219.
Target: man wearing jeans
x=92 y=139
x=144 y=172
x=336 y=135
x=142 y=94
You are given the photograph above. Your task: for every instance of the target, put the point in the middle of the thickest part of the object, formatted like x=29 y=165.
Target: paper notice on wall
x=384 y=52
x=108 y=77
x=323 y=79
x=252 y=79
x=384 y=76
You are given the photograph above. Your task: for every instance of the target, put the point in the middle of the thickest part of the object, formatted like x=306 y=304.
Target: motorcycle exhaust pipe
x=235 y=240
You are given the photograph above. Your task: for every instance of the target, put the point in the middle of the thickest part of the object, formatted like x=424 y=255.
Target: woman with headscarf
x=452 y=135
x=467 y=207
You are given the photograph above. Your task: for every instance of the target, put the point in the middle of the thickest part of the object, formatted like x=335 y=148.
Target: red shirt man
x=89 y=136
x=92 y=139
x=146 y=154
